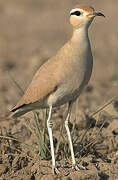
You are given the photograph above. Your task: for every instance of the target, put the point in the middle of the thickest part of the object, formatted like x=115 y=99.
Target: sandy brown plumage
x=63 y=77
x=49 y=79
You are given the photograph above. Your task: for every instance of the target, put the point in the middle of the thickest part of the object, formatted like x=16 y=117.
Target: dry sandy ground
x=31 y=31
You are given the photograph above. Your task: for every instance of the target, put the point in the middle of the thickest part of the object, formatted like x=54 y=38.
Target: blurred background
x=31 y=31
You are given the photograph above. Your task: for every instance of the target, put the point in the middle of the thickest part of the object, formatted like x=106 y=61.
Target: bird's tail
x=17 y=112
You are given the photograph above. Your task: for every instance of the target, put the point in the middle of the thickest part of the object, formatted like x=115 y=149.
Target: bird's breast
x=74 y=72
x=73 y=80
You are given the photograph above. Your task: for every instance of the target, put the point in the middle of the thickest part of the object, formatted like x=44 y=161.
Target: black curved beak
x=99 y=14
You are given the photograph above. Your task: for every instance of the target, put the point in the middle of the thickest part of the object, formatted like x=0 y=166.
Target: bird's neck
x=80 y=35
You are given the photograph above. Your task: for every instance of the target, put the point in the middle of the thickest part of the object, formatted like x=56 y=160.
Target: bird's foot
x=78 y=167
x=55 y=171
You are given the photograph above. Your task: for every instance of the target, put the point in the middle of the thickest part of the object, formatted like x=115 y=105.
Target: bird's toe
x=78 y=167
x=55 y=171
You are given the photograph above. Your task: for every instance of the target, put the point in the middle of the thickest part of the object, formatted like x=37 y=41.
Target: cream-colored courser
x=63 y=77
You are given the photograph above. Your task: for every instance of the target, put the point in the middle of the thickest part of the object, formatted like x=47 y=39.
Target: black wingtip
x=15 y=109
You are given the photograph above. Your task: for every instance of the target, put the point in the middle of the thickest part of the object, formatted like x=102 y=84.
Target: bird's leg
x=68 y=132
x=49 y=126
x=69 y=136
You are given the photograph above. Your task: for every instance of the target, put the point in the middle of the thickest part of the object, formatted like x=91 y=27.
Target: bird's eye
x=77 y=13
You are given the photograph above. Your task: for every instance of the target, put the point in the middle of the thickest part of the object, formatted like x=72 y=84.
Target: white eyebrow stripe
x=78 y=9
x=73 y=10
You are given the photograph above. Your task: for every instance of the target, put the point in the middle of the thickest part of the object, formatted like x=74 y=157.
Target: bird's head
x=82 y=16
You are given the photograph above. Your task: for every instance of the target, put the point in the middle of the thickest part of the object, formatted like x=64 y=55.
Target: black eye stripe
x=77 y=13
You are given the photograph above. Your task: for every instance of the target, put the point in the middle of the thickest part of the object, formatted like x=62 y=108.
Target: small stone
x=115 y=131
x=85 y=164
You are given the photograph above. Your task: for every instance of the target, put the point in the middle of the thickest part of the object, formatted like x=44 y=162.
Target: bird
x=62 y=78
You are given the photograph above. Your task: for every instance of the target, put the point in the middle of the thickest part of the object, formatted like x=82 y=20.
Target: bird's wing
x=43 y=83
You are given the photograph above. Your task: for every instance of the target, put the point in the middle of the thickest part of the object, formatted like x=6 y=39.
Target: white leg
x=49 y=126
x=69 y=138
x=68 y=132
